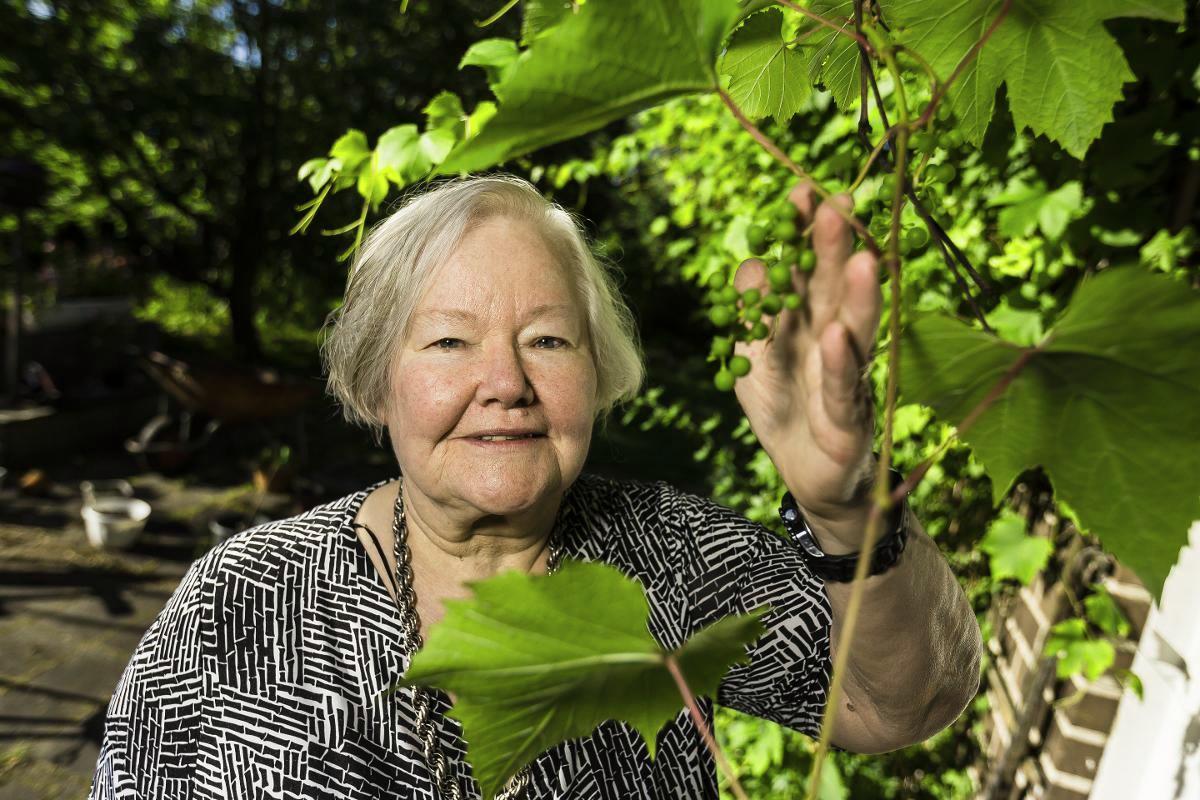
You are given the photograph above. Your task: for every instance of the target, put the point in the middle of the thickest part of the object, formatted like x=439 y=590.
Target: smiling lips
x=509 y=436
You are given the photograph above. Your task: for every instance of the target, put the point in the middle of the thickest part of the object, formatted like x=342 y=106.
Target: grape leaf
x=351 y=151
x=1105 y=403
x=536 y=660
x=318 y=171
x=1078 y=653
x=495 y=56
x=1063 y=70
x=1032 y=206
x=398 y=154
x=835 y=63
x=446 y=111
x=1013 y=553
x=601 y=64
x=1104 y=613
x=1018 y=325
x=766 y=76
x=539 y=16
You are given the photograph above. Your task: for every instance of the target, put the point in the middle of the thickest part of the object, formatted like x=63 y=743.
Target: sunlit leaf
x=536 y=660
x=766 y=76
x=598 y=65
x=1063 y=70
x=1106 y=404
x=1013 y=553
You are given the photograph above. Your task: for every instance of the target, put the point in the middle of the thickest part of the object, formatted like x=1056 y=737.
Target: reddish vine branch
x=689 y=700
x=833 y=26
x=914 y=478
x=767 y=144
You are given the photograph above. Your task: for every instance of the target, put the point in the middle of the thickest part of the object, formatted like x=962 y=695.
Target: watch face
x=805 y=540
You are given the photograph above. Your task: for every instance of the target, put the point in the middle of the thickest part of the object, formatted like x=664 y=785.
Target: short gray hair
x=401 y=254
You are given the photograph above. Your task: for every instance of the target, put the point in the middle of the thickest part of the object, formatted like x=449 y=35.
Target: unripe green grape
x=783 y=212
x=916 y=237
x=752 y=313
x=739 y=366
x=751 y=296
x=792 y=302
x=720 y=316
x=759 y=331
x=784 y=230
x=722 y=347
x=772 y=303
x=887 y=188
x=756 y=238
x=922 y=142
x=728 y=295
x=952 y=139
x=943 y=173
x=788 y=254
x=808 y=261
x=717 y=280
x=1029 y=291
x=780 y=277
x=724 y=380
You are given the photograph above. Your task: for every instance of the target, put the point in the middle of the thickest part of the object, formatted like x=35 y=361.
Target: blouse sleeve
x=150 y=734
x=735 y=566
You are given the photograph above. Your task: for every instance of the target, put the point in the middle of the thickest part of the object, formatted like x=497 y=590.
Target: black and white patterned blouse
x=265 y=674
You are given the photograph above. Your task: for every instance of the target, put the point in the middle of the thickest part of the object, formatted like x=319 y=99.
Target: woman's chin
x=510 y=497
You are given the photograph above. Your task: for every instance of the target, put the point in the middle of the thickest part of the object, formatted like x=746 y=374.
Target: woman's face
x=497 y=342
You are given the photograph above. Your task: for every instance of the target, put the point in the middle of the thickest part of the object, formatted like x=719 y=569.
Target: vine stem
x=833 y=26
x=882 y=499
x=940 y=91
x=689 y=699
x=767 y=144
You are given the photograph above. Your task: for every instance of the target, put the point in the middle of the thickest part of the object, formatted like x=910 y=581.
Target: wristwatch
x=841 y=568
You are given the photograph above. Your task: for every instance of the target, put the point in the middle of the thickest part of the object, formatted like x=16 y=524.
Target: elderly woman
x=480 y=331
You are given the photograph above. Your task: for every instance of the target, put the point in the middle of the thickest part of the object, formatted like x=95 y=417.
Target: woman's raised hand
x=807 y=396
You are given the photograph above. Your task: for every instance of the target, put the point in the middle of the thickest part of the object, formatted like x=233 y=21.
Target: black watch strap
x=841 y=568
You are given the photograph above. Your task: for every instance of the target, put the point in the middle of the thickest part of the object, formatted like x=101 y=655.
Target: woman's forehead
x=499 y=265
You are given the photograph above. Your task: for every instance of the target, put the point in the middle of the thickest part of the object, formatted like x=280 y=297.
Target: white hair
x=402 y=253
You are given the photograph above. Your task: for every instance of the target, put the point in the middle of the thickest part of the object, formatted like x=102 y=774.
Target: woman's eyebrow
x=458 y=314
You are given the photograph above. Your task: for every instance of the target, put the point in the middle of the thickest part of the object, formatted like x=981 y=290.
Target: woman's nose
x=503 y=376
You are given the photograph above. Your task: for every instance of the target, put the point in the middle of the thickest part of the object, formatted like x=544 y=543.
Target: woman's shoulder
x=283 y=550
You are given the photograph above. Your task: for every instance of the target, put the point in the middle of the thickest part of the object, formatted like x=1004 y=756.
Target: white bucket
x=114 y=523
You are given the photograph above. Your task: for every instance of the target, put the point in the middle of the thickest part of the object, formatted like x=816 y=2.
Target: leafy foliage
x=1106 y=404
x=1077 y=652
x=759 y=63
x=600 y=64
x=1012 y=552
x=535 y=660
x=1063 y=71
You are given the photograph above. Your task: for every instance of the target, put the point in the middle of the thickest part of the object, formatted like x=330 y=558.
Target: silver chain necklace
x=444 y=782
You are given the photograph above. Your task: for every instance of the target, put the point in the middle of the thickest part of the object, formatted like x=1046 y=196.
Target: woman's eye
x=438 y=344
x=555 y=342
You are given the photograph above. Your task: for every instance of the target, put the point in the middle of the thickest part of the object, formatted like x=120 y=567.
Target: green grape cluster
x=774 y=242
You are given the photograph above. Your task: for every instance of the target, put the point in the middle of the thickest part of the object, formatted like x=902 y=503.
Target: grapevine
x=886 y=61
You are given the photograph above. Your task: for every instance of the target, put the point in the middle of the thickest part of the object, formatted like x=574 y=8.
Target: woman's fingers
x=842 y=385
x=862 y=303
x=832 y=242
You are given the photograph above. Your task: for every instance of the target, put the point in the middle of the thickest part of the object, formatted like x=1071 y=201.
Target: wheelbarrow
x=225 y=393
